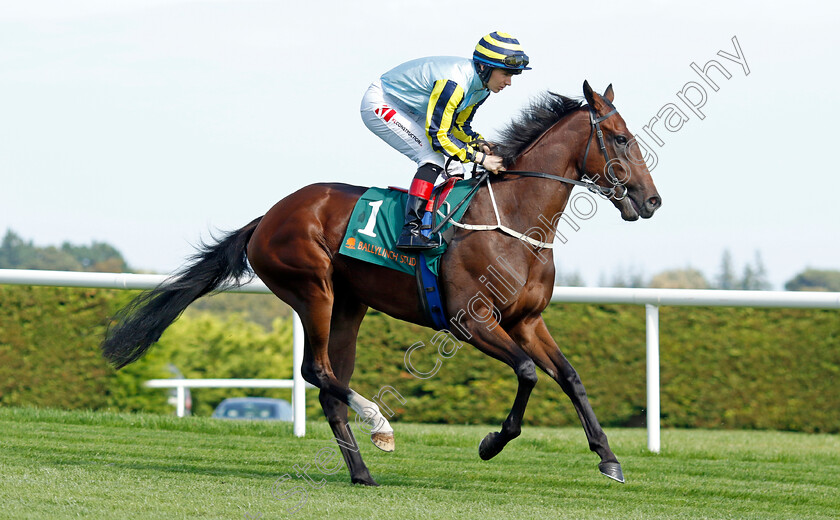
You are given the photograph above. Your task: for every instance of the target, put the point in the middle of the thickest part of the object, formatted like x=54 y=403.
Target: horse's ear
x=609 y=94
x=588 y=93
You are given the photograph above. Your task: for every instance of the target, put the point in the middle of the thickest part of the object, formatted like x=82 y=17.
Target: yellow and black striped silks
x=443 y=123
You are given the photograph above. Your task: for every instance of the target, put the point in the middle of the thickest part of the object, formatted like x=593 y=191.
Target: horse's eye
x=620 y=139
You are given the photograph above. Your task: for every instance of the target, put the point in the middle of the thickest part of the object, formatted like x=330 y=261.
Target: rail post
x=181 y=398
x=299 y=385
x=653 y=414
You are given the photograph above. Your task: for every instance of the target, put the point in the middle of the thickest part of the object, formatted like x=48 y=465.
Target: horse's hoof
x=365 y=481
x=383 y=441
x=612 y=470
x=490 y=446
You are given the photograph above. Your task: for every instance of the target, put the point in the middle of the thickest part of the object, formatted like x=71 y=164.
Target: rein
x=594 y=129
x=588 y=184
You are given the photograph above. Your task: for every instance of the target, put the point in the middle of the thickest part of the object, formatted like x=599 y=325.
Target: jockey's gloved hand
x=492 y=163
x=484 y=146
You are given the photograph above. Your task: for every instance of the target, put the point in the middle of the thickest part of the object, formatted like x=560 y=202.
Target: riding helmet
x=500 y=50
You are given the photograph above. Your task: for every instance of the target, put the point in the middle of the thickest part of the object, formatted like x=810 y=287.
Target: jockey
x=424 y=109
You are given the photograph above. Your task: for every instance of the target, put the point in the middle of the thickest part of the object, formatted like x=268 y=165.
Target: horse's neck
x=557 y=152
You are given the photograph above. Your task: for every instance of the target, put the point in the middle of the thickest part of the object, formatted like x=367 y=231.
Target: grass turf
x=56 y=464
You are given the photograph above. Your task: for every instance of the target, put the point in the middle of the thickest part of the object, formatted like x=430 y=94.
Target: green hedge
x=721 y=367
x=49 y=353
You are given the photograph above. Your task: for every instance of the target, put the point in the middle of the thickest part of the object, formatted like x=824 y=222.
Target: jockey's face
x=499 y=79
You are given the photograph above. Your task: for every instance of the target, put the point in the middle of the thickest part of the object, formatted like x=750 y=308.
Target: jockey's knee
x=424 y=180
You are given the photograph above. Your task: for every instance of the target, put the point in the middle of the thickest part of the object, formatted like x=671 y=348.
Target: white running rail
x=652 y=299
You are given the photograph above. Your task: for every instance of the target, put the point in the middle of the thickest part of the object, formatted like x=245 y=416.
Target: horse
x=293 y=249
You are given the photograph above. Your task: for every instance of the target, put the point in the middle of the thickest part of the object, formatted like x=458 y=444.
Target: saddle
x=376 y=223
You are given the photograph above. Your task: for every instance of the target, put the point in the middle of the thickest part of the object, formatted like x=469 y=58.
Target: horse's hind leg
x=313 y=296
x=347 y=315
x=316 y=317
x=537 y=341
x=304 y=280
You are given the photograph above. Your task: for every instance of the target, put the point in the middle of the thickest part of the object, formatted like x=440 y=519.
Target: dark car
x=257 y=408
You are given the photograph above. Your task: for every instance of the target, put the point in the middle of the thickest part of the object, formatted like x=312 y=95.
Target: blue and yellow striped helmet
x=501 y=51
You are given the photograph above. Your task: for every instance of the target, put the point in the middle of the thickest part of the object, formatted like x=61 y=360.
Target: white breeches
x=401 y=129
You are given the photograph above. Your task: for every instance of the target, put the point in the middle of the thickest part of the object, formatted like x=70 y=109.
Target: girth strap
x=498 y=225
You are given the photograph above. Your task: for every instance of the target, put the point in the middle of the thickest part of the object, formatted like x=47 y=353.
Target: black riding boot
x=411 y=239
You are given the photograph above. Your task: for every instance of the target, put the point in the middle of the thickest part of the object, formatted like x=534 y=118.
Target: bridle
x=594 y=129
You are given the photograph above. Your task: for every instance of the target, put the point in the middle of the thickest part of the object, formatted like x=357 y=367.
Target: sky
x=152 y=124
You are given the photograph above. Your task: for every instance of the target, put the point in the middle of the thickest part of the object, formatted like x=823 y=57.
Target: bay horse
x=294 y=248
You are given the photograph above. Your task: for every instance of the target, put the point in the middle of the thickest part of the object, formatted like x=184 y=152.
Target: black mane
x=539 y=116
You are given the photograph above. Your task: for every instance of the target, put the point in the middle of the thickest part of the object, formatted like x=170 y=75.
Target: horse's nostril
x=654 y=202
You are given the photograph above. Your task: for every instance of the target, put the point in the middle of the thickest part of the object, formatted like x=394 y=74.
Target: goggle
x=516 y=61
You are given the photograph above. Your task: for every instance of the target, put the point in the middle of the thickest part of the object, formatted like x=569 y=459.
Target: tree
x=726 y=279
x=753 y=279
x=688 y=278
x=815 y=280
x=16 y=253
x=99 y=257
x=625 y=277
x=573 y=279
x=755 y=276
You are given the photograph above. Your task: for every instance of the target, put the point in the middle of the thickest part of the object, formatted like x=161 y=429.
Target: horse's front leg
x=494 y=341
x=534 y=337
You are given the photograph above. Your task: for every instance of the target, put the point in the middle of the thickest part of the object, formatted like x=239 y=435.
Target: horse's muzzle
x=650 y=206
x=632 y=208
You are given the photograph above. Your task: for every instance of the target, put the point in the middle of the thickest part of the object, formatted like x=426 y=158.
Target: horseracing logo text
x=383 y=252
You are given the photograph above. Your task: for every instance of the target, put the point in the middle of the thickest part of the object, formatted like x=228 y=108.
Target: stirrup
x=418 y=242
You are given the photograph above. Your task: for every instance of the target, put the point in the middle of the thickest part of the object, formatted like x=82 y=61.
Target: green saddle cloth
x=377 y=221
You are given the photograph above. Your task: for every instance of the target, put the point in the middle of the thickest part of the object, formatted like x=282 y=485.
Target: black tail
x=142 y=321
